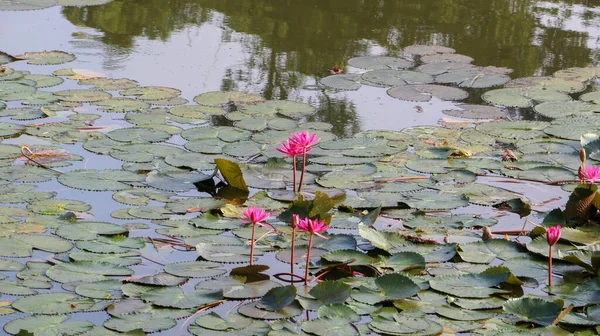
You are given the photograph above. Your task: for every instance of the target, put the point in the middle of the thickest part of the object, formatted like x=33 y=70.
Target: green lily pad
x=425 y=92
x=346 y=82
x=379 y=62
x=548 y=83
x=138 y=135
x=219 y=98
x=195 y=269
x=43 y=81
x=107 y=290
x=446 y=57
x=151 y=93
x=476 y=112
x=514 y=130
x=88 y=230
x=47 y=57
x=562 y=109
x=85 y=271
x=486 y=251
x=147 y=322
x=175 y=297
x=389 y=77
x=53 y=303
x=473 y=79
x=109 y=84
x=534 y=310
x=100 y=180
x=47 y=325
x=82 y=96
x=472 y=285
x=15 y=91
x=285 y=107
x=523 y=97
x=122 y=105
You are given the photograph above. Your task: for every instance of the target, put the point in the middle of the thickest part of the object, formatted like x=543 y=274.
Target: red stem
x=303 y=167
x=294 y=170
x=252 y=244
x=293 y=252
x=308 y=260
x=550 y=266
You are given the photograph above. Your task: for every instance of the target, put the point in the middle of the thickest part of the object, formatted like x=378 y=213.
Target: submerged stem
x=308 y=259
x=303 y=168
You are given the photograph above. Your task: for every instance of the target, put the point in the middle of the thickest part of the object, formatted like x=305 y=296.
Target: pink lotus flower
x=590 y=174
x=254 y=215
x=289 y=148
x=313 y=226
x=303 y=139
x=553 y=234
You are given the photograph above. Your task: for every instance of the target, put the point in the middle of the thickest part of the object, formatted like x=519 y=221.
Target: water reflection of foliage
x=340 y=112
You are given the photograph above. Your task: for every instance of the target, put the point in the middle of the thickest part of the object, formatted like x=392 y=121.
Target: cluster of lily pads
x=397 y=260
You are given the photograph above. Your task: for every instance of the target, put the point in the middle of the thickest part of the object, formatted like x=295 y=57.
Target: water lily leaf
x=533 y=310
x=128 y=258
x=176 y=298
x=514 y=130
x=144 y=321
x=141 y=196
x=446 y=57
x=195 y=269
x=404 y=324
x=42 y=81
x=229 y=322
x=151 y=93
x=543 y=173
x=200 y=204
x=46 y=57
x=329 y=327
x=225 y=133
x=22 y=287
x=15 y=91
x=564 y=109
x=546 y=147
x=46 y=325
x=252 y=124
x=176 y=181
x=548 y=83
x=330 y=292
x=573 y=128
x=85 y=271
x=473 y=79
x=88 y=230
x=578 y=294
x=107 y=290
x=159 y=279
x=235 y=288
x=122 y=105
x=99 y=180
x=485 y=252
x=150 y=212
x=44 y=243
x=139 y=135
x=522 y=97
x=425 y=200
x=476 y=112
x=389 y=77
x=347 y=82
x=379 y=62
x=421 y=49
x=224 y=253
x=462 y=315
x=195 y=111
x=232 y=174
x=278 y=298
x=287 y=108
x=82 y=96
x=252 y=310
x=109 y=84
x=472 y=285
x=351 y=257
x=425 y=92
x=53 y=303
x=219 y=98
x=11 y=265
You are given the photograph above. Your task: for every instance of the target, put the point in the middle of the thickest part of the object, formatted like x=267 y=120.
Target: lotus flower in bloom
x=590 y=174
x=553 y=235
x=303 y=139
x=313 y=226
x=254 y=215
x=290 y=148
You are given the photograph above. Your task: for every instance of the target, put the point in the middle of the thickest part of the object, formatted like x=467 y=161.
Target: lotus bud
x=553 y=234
x=447 y=238
x=582 y=156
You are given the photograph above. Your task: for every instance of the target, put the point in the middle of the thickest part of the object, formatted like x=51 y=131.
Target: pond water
x=281 y=50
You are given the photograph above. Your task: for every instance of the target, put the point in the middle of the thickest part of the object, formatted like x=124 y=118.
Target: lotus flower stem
x=310 y=241
x=294 y=174
x=293 y=261
x=550 y=266
x=252 y=242
x=552 y=236
x=303 y=168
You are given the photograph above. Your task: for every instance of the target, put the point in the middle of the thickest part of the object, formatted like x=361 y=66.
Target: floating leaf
x=82 y=96
x=219 y=98
x=47 y=57
x=424 y=93
x=533 y=310
x=522 y=97
x=348 y=82
x=195 y=269
x=472 y=285
x=151 y=93
x=99 y=180
x=47 y=324
x=278 y=298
